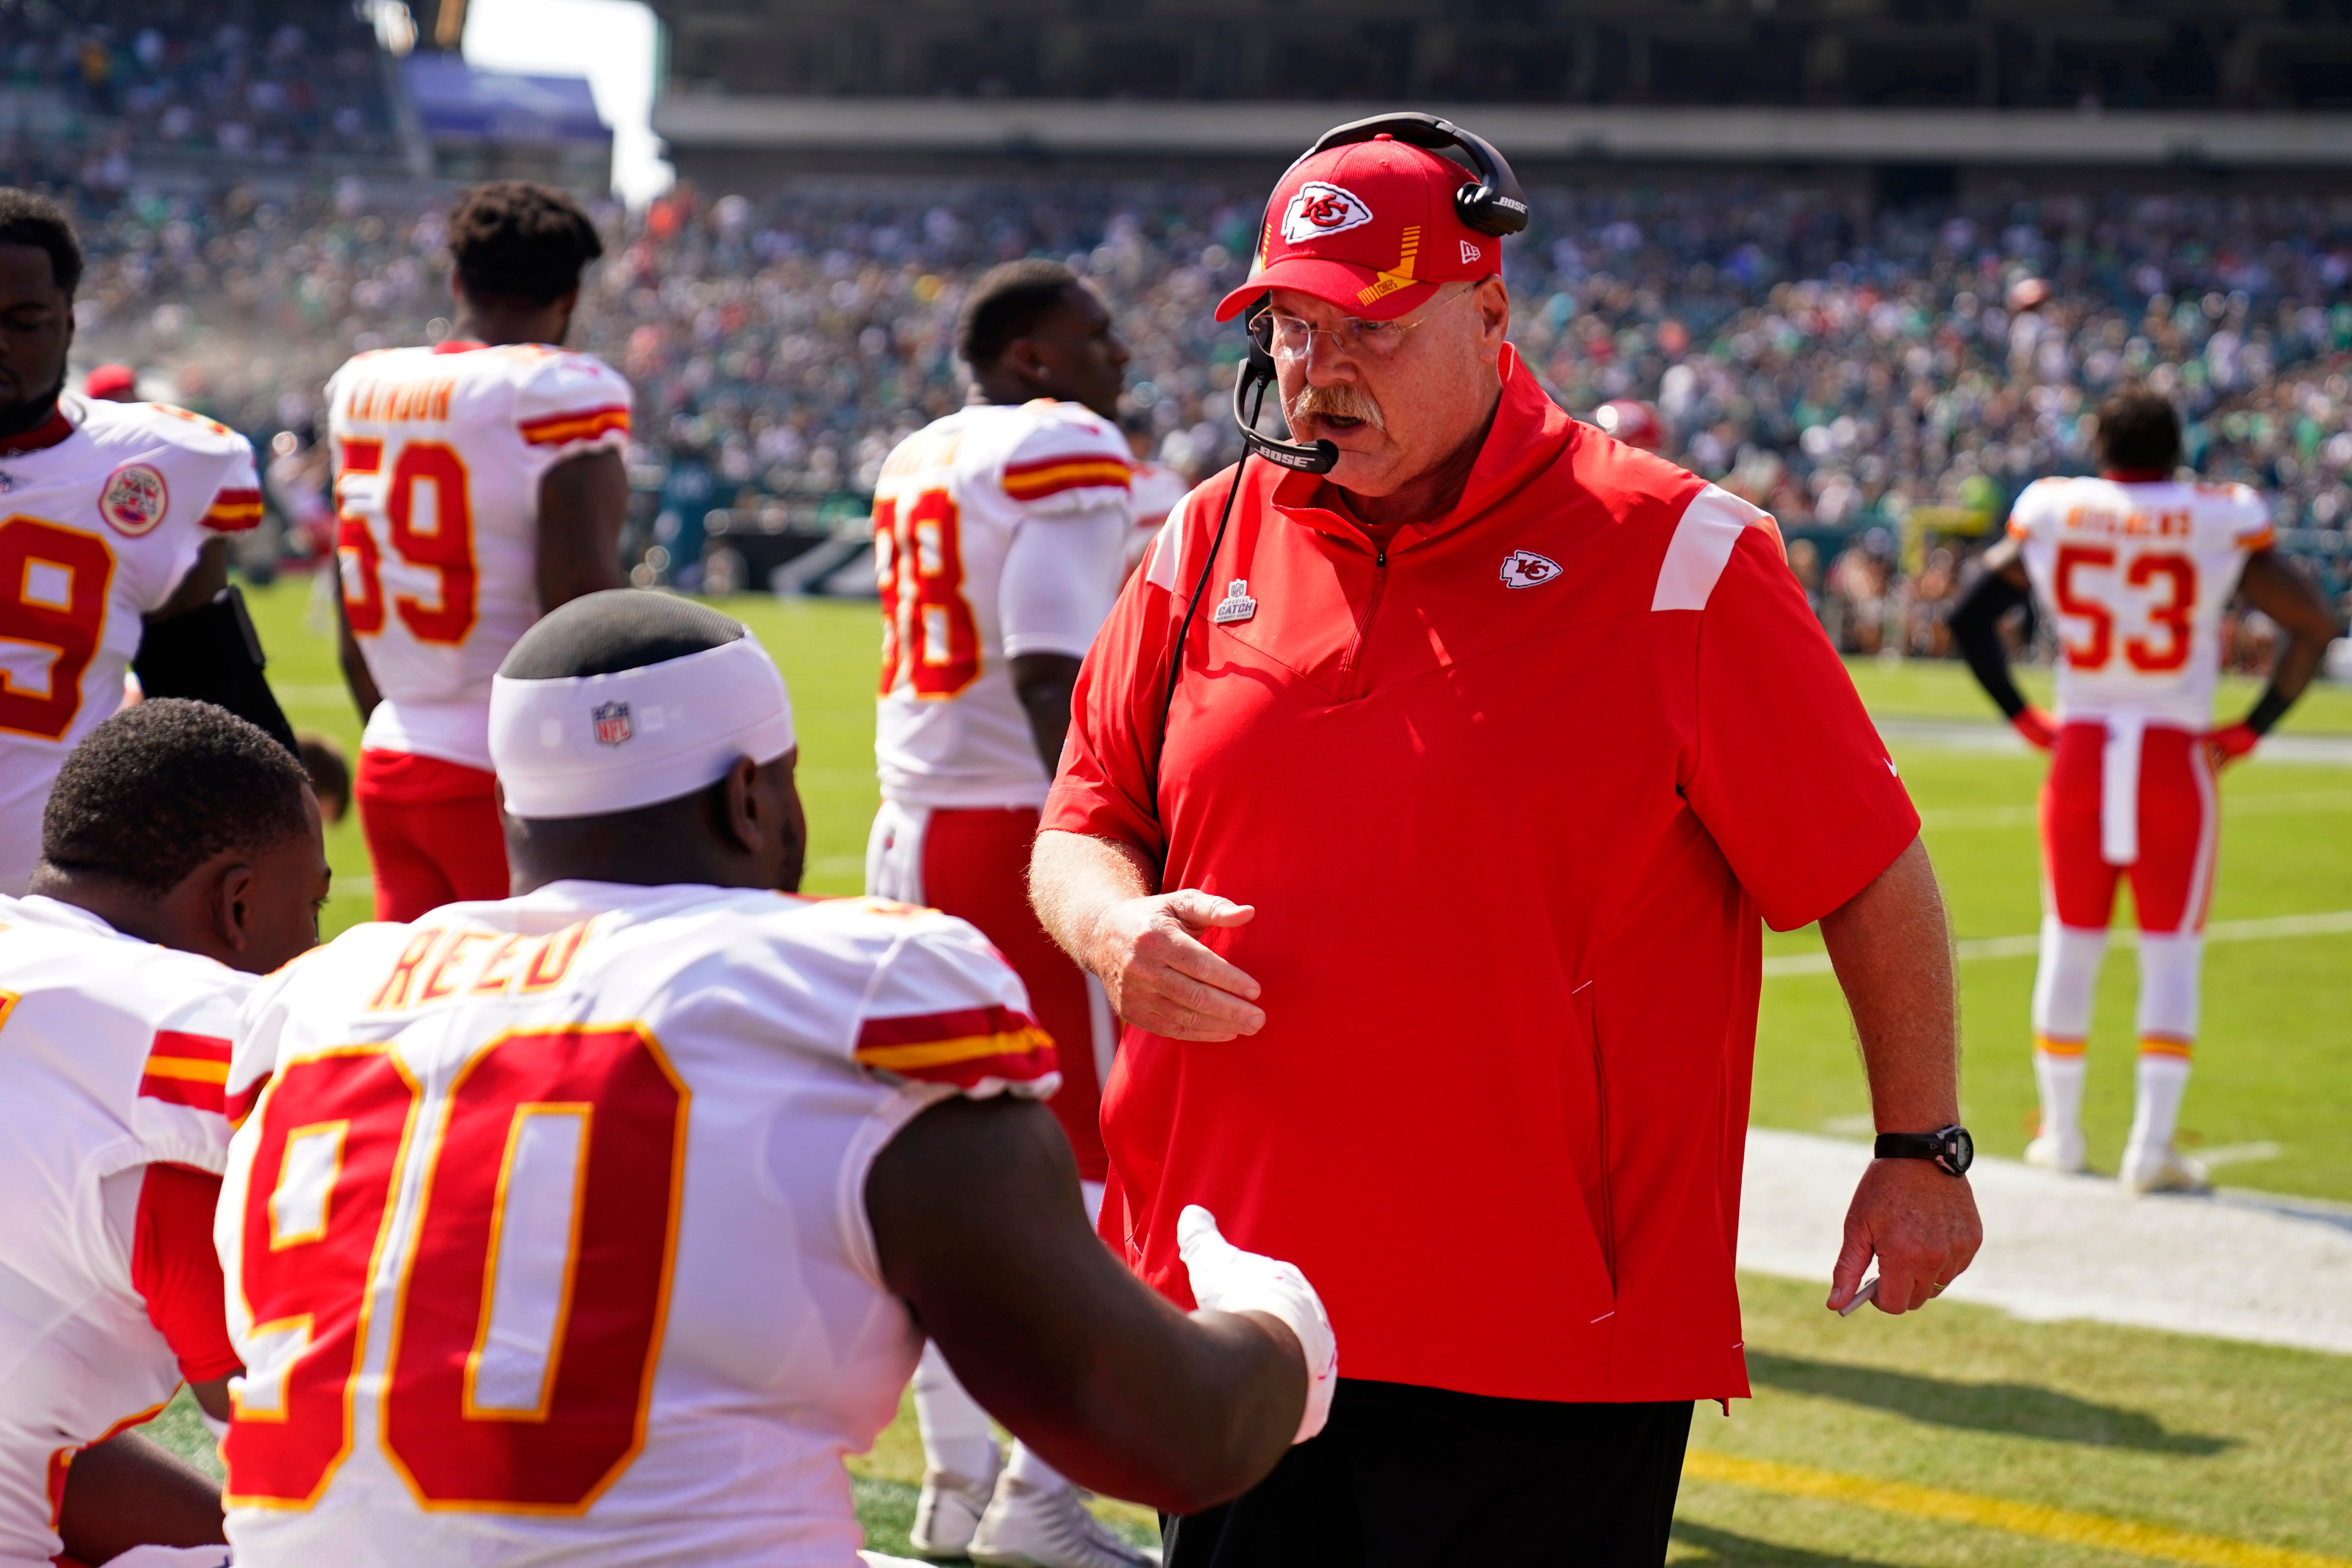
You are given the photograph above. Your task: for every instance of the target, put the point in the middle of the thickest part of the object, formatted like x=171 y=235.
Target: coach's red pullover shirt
x=1509 y=796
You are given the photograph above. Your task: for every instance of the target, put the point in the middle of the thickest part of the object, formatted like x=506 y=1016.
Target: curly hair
x=163 y=787
x=35 y=220
x=512 y=239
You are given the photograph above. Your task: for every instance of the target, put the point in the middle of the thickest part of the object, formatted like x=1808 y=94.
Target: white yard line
x=2242 y=1266
x=2330 y=923
x=1975 y=735
x=2294 y=802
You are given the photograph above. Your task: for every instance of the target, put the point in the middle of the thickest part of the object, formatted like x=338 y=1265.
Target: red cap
x=113 y=382
x=1368 y=227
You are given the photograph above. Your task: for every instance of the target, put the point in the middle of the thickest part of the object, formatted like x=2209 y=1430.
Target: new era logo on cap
x=1470 y=253
x=1320 y=209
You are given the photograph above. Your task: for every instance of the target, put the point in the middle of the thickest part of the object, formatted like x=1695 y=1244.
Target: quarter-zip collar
x=1524 y=439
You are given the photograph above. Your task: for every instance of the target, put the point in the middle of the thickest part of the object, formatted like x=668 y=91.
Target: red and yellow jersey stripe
x=234 y=511
x=960 y=1048
x=579 y=424
x=187 y=1070
x=1051 y=475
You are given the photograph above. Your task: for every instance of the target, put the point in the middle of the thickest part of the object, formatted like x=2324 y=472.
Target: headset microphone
x=1251 y=377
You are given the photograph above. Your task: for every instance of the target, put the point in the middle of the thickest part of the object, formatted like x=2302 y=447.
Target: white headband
x=585 y=745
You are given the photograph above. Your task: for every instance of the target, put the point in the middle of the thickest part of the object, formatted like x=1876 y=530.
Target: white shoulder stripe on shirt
x=1168 y=549
x=1701 y=548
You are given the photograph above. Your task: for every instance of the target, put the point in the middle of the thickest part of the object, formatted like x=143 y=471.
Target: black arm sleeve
x=2268 y=709
x=1975 y=626
x=213 y=655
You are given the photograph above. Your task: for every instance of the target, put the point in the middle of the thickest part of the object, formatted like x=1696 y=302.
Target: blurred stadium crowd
x=1883 y=382
x=87 y=85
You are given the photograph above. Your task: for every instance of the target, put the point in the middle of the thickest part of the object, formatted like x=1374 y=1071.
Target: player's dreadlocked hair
x=1008 y=301
x=29 y=219
x=2139 y=432
x=515 y=240
x=616 y=629
x=163 y=787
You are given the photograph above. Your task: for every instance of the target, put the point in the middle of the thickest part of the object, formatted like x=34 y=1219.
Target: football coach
x=1418 y=816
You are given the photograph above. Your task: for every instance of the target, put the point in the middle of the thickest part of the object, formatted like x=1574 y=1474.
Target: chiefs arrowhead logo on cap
x=1319 y=209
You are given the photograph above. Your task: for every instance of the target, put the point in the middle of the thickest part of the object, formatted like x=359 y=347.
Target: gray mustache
x=1340 y=400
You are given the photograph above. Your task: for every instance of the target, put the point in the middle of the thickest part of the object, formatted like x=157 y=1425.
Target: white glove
x=1227 y=1280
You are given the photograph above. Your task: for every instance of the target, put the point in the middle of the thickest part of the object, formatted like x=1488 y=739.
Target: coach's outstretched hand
x=1145 y=948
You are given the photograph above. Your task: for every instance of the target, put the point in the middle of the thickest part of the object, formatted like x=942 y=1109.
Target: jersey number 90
x=533 y=1268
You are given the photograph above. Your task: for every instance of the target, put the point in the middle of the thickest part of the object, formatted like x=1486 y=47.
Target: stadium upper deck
x=1952 y=84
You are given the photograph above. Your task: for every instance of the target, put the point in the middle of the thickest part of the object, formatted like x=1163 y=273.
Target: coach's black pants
x=1416 y=1477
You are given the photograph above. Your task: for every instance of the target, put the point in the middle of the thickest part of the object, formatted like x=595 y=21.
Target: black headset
x=1493 y=204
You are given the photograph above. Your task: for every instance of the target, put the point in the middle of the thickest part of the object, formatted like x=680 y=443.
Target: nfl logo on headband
x=612 y=725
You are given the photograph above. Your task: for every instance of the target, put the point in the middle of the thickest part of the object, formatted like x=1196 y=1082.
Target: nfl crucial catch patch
x=1526 y=569
x=611 y=721
x=134 y=499
x=1237 y=605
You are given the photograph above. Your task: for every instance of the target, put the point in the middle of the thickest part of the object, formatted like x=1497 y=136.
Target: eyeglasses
x=1289 y=336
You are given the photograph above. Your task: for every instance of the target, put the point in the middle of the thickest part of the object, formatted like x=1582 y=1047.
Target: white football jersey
x=998 y=531
x=2137 y=576
x=547 y=1240
x=96 y=532
x=1156 y=491
x=113 y=1052
x=439 y=453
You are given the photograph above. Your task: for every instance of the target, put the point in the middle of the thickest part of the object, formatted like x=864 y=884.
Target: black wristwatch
x=1951 y=1148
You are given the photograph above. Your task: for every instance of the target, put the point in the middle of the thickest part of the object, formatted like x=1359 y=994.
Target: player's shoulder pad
x=562 y=399
x=192 y=1006
x=1061 y=448
x=1709 y=528
x=941 y=1005
x=196 y=434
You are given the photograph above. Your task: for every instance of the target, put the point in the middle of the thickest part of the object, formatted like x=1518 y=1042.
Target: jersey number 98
x=532 y=1275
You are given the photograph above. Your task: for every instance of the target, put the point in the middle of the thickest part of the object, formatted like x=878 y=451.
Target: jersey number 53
x=2083 y=581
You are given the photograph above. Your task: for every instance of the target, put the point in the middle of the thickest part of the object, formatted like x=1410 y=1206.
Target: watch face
x=1960 y=1150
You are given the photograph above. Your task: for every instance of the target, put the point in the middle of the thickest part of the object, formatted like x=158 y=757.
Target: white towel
x=2119 y=789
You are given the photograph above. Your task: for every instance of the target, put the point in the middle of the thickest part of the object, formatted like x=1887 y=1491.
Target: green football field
x=1962 y=1437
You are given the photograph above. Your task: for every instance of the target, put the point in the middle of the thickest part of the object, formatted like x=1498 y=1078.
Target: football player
x=113 y=518
x=1001 y=536
x=180 y=847
x=480 y=484
x=2137 y=567
x=596 y=1225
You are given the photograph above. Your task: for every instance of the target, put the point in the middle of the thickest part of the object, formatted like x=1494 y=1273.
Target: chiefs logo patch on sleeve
x=134 y=499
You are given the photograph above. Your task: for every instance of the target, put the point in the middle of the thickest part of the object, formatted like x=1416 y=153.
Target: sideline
x=2329 y=922
x=2037 y=1520
x=2237 y=1265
